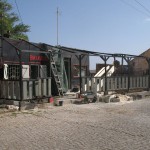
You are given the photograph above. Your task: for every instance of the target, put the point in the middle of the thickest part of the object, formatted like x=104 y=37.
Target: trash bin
x=60 y=103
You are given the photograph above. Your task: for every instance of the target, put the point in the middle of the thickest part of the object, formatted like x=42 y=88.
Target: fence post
x=80 y=77
x=105 y=58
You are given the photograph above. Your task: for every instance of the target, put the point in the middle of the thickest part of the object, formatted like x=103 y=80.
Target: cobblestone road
x=96 y=126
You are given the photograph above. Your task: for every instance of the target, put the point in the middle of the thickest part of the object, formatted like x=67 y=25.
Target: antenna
x=57 y=25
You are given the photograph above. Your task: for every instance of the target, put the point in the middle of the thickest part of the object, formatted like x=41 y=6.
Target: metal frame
x=105 y=57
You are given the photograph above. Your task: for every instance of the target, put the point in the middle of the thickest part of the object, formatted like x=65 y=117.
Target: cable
x=18 y=11
x=135 y=8
x=142 y=6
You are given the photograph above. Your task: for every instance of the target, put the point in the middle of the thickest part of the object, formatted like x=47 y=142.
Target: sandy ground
x=99 y=126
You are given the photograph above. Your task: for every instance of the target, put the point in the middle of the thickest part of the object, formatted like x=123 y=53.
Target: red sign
x=38 y=58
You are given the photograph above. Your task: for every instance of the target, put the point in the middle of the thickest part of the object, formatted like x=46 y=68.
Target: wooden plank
x=112 y=84
x=108 y=83
x=88 y=84
x=43 y=87
x=126 y=82
x=100 y=85
x=147 y=82
x=40 y=87
x=141 y=85
x=103 y=83
x=17 y=90
x=143 y=80
x=138 y=82
x=131 y=82
x=116 y=83
x=25 y=92
x=30 y=89
x=119 y=82
x=49 y=87
x=123 y=82
x=96 y=85
x=36 y=84
x=7 y=90
x=83 y=84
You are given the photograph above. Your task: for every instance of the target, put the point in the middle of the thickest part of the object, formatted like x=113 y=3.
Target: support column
x=127 y=59
x=20 y=79
x=148 y=61
x=80 y=69
x=105 y=58
x=106 y=92
x=80 y=57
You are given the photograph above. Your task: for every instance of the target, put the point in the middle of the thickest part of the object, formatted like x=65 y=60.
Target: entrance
x=67 y=64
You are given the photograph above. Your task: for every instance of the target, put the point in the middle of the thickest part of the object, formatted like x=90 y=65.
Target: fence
x=96 y=84
x=10 y=89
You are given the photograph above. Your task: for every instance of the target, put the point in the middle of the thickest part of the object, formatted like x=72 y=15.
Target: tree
x=9 y=22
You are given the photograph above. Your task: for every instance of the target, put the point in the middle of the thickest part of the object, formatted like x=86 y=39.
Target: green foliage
x=9 y=22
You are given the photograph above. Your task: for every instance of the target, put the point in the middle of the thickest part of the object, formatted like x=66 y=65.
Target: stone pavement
x=98 y=126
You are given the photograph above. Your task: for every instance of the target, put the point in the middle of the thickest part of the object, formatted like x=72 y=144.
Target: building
x=139 y=65
x=37 y=70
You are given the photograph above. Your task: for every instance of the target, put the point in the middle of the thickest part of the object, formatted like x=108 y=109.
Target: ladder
x=56 y=77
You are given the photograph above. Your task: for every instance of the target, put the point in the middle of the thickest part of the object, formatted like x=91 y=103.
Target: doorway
x=67 y=65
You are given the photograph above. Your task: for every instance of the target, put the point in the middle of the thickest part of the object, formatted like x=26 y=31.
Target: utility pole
x=58 y=13
x=57 y=24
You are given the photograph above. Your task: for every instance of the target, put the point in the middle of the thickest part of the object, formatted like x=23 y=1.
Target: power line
x=146 y=9
x=18 y=11
x=135 y=8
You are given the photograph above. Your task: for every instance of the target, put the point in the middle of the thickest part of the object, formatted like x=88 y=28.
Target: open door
x=67 y=65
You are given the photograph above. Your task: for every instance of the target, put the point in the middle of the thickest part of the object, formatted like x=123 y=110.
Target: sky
x=110 y=26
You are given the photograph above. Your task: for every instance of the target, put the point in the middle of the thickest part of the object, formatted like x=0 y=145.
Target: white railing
x=96 y=84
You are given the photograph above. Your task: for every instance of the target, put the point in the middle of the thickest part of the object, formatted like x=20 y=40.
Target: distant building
x=139 y=65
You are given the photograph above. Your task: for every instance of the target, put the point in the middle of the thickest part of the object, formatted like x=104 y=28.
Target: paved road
x=96 y=126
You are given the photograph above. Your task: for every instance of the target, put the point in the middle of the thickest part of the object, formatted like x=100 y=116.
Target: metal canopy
x=93 y=53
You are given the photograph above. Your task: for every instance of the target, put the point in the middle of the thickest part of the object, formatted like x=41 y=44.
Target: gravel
x=98 y=126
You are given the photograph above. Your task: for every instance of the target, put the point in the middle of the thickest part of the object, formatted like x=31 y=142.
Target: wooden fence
x=96 y=84
x=31 y=89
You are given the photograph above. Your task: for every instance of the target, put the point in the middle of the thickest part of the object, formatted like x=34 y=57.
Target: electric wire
x=148 y=15
x=146 y=9
x=18 y=12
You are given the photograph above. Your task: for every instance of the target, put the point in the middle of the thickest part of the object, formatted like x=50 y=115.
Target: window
x=13 y=71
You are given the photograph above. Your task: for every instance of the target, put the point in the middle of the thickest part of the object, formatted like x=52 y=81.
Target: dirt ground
x=98 y=126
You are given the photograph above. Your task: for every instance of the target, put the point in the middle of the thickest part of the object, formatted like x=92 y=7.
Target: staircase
x=56 y=77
